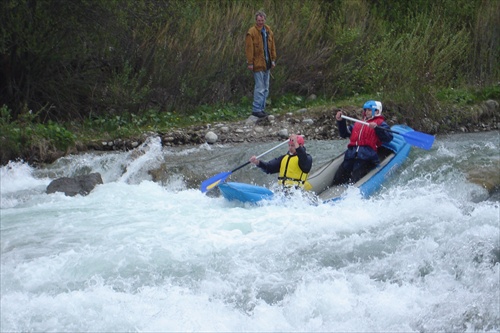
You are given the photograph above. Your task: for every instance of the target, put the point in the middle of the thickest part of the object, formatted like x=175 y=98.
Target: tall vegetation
x=83 y=59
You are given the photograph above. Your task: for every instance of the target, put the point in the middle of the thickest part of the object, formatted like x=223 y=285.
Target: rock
x=211 y=137
x=283 y=133
x=491 y=104
x=487 y=177
x=495 y=194
x=429 y=126
x=251 y=120
x=82 y=185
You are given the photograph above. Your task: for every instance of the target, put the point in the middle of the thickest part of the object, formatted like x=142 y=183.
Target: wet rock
x=494 y=194
x=486 y=177
x=82 y=185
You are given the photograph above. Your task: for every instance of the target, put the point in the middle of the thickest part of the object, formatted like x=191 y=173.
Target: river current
x=421 y=255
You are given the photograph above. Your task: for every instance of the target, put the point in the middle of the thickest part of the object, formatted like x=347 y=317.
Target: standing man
x=261 y=57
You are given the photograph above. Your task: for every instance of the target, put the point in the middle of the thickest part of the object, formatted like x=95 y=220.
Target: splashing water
x=422 y=255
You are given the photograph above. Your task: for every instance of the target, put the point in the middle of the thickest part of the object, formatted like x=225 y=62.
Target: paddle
x=414 y=138
x=212 y=182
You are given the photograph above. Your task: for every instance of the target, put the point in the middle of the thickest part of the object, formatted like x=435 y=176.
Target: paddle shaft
x=365 y=123
x=264 y=153
x=215 y=180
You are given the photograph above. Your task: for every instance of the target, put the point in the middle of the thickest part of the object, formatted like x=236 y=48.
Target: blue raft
x=392 y=156
x=245 y=192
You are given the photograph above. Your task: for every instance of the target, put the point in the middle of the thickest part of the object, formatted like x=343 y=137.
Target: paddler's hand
x=372 y=125
x=254 y=160
x=338 y=117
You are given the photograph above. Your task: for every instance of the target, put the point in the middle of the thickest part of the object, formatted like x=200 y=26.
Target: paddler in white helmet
x=361 y=155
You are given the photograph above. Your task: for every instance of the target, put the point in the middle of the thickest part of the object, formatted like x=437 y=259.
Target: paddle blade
x=419 y=139
x=212 y=182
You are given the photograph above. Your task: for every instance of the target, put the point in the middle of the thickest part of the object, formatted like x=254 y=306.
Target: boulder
x=211 y=137
x=283 y=133
x=82 y=185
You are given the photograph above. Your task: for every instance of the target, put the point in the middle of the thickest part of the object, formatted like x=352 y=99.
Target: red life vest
x=363 y=135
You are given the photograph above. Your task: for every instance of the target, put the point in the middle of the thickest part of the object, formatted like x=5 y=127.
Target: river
x=421 y=255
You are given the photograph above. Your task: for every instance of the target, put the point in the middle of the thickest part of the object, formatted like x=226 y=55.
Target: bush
x=29 y=139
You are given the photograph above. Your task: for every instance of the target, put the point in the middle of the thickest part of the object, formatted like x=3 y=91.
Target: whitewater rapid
x=422 y=255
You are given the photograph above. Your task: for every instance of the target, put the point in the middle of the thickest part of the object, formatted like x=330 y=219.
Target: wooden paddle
x=414 y=138
x=212 y=182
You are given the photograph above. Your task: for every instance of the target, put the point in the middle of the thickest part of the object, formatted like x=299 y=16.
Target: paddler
x=293 y=167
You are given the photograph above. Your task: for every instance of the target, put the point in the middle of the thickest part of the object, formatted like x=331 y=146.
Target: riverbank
x=317 y=123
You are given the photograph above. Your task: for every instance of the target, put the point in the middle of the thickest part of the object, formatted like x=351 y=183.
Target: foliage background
x=72 y=59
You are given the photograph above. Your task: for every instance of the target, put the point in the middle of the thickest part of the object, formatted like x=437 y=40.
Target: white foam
x=141 y=256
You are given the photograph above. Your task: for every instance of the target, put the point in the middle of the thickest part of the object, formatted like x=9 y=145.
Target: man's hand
x=339 y=116
x=254 y=160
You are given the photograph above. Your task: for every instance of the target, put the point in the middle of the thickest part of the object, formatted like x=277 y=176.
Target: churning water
x=422 y=255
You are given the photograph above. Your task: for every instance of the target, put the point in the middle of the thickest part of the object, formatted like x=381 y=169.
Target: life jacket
x=290 y=173
x=363 y=135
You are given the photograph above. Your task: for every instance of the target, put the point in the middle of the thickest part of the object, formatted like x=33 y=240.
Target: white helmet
x=379 y=106
x=373 y=106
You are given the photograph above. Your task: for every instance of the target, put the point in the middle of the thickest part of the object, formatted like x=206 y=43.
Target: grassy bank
x=42 y=143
